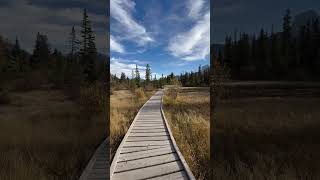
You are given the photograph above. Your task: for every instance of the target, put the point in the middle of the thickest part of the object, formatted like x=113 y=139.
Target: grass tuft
x=187 y=111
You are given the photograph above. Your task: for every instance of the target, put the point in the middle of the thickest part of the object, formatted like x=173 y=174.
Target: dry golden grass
x=44 y=136
x=264 y=137
x=188 y=113
x=124 y=106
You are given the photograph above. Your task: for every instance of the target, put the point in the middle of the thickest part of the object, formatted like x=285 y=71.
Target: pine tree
x=122 y=77
x=88 y=49
x=148 y=74
x=85 y=28
x=286 y=40
x=15 y=58
x=137 y=76
x=286 y=26
x=41 y=52
x=74 y=42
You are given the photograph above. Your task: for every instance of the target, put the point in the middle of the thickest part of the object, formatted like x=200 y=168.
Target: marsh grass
x=267 y=136
x=44 y=135
x=188 y=113
x=124 y=105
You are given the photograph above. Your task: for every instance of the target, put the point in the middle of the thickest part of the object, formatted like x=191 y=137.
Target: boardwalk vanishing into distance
x=148 y=150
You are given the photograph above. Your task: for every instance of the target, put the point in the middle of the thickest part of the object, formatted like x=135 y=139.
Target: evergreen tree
x=122 y=77
x=15 y=58
x=148 y=74
x=74 y=42
x=286 y=40
x=41 y=52
x=137 y=76
x=88 y=49
x=85 y=31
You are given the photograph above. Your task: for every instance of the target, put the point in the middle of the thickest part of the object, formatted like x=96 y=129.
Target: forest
x=68 y=71
x=198 y=78
x=53 y=105
x=292 y=54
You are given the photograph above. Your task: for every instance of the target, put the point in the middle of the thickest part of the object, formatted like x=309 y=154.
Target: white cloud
x=158 y=76
x=195 y=7
x=116 y=46
x=121 y=11
x=118 y=65
x=194 y=44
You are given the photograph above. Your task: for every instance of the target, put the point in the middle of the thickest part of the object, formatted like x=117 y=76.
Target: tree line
x=292 y=54
x=186 y=79
x=79 y=66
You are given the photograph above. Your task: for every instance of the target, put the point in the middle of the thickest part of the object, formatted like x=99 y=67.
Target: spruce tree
x=41 y=52
x=88 y=49
x=15 y=58
x=73 y=42
x=148 y=74
x=122 y=77
x=137 y=76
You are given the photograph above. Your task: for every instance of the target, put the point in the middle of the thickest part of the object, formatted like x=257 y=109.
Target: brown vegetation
x=124 y=105
x=188 y=113
x=267 y=133
x=44 y=135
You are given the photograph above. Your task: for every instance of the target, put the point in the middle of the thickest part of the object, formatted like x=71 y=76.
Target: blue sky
x=170 y=35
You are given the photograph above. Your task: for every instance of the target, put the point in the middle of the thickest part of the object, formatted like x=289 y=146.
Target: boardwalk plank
x=152 y=138
x=177 y=175
x=148 y=131
x=149 y=172
x=148 y=134
x=148 y=150
x=145 y=154
x=146 y=143
x=142 y=148
x=152 y=161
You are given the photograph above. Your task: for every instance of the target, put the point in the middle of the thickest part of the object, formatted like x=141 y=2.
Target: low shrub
x=93 y=99
x=173 y=92
x=140 y=94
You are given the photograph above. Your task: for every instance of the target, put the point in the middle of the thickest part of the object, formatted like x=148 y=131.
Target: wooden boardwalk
x=98 y=166
x=148 y=150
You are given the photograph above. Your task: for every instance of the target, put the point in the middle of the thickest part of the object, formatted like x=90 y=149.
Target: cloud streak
x=116 y=46
x=195 y=7
x=121 y=11
x=194 y=44
x=118 y=65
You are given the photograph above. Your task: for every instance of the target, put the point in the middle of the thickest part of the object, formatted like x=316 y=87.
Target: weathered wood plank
x=150 y=125
x=146 y=143
x=98 y=166
x=152 y=138
x=141 y=163
x=148 y=130
x=140 y=149
x=145 y=154
x=149 y=172
x=177 y=175
x=148 y=134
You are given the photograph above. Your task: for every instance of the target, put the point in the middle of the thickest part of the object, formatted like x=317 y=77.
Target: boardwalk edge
x=184 y=163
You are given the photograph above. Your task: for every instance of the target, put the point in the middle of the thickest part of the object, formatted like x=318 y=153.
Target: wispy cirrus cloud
x=116 y=46
x=120 y=65
x=195 y=7
x=194 y=44
x=130 y=29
